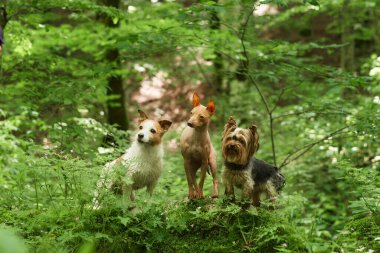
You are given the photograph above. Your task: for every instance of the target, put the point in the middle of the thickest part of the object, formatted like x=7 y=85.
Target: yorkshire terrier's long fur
x=242 y=170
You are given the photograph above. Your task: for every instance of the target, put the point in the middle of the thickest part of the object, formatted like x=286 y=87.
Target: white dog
x=140 y=166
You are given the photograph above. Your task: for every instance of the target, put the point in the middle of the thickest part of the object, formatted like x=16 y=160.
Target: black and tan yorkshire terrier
x=242 y=169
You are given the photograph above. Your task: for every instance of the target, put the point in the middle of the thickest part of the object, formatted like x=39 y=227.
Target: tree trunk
x=3 y=22
x=117 y=113
x=3 y=16
x=347 y=52
x=217 y=80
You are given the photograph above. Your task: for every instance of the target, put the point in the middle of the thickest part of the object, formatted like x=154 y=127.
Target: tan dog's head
x=200 y=115
x=239 y=144
x=150 y=131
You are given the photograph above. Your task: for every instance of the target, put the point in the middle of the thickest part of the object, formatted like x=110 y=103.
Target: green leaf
x=312 y=2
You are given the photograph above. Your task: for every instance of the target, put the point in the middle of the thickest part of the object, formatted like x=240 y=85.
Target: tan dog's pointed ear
x=196 y=100
x=211 y=106
x=143 y=115
x=165 y=124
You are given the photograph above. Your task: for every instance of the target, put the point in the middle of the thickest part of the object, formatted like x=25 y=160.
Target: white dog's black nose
x=140 y=136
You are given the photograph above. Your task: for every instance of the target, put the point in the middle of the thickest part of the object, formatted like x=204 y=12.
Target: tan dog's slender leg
x=191 y=182
x=193 y=179
x=204 y=169
x=212 y=161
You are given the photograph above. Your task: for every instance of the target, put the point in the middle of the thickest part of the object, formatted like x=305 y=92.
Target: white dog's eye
x=152 y=131
x=141 y=127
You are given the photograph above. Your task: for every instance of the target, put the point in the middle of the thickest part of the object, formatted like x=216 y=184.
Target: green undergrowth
x=205 y=225
x=46 y=206
x=47 y=201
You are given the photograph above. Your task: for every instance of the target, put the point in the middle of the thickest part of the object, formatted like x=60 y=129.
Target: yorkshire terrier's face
x=239 y=144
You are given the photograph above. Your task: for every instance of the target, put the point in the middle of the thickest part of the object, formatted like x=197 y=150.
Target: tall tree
x=217 y=80
x=347 y=52
x=117 y=113
x=3 y=22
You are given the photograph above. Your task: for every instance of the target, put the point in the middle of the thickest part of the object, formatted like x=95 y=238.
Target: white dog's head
x=151 y=131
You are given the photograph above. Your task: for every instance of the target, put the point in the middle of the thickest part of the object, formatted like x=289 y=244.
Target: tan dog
x=197 y=150
x=242 y=170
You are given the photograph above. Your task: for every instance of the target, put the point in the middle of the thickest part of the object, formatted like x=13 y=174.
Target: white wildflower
x=376 y=100
x=131 y=9
x=331 y=150
x=102 y=150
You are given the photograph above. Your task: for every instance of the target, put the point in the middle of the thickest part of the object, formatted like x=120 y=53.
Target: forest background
x=74 y=72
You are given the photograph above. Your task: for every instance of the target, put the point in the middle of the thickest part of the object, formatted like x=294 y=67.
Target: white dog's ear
x=143 y=115
x=165 y=124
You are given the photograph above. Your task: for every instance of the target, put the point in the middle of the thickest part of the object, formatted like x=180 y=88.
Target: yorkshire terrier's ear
x=255 y=135
x=231 y=122
x=253 y=129
x=165 y=124
x=196 y=100
x=143 y=115
x=211 y=106
x=230 y=125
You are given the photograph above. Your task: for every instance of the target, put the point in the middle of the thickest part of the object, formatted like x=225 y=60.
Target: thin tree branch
x=304 y=112
x=244 y=29
x=246 y=63
x=303 y=150
x=201 y=69
x=236 y=32
x=277 y=100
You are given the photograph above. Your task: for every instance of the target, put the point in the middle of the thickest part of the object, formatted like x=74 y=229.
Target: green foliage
x=53 y=95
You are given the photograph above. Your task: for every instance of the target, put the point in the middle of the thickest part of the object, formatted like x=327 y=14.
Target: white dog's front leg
x=150 y=187
x=128 y=192
x=104 y=183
